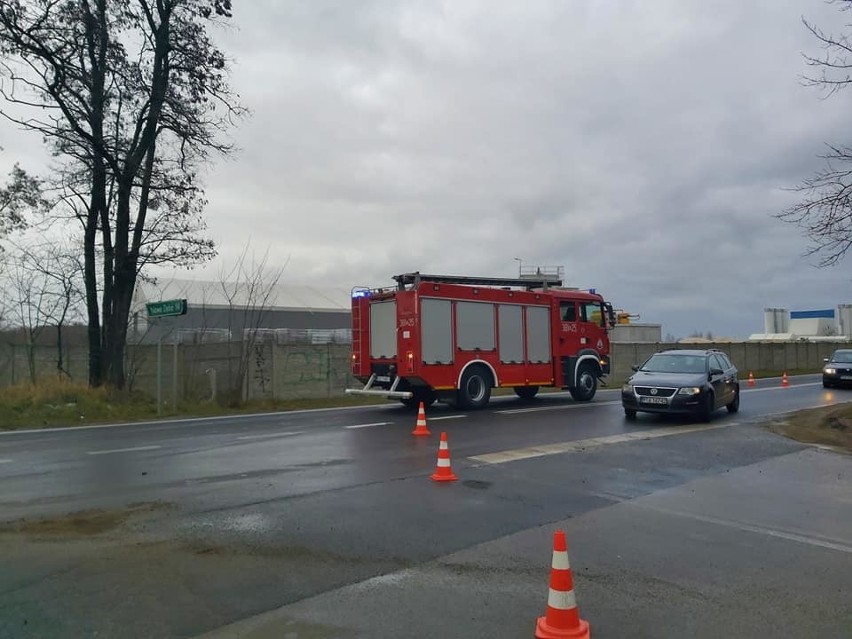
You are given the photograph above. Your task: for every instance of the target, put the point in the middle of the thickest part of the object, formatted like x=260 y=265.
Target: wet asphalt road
x=275 y=509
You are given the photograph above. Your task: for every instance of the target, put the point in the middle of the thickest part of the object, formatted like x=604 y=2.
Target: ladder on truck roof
x=413 y=279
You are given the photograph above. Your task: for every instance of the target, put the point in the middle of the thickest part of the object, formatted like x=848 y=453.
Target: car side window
x=717 y=362
x=727 y=362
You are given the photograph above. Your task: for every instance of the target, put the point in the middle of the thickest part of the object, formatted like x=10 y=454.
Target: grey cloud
x=642 y=145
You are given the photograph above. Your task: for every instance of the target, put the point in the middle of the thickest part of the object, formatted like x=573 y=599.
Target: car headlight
x=689 y=390
x=829 y=371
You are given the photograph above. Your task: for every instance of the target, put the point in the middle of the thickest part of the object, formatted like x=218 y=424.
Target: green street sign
x=166 y=308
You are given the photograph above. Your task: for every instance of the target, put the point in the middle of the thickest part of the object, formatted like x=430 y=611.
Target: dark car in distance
x=837 y=370
x=696 y=382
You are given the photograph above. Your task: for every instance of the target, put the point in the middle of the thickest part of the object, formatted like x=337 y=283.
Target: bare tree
x=248 y=287
x=825 y=210
x=133 y=95
x=31 y=304
x=57 y=269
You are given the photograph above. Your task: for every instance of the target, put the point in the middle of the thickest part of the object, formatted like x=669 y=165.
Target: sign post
x=157 y=310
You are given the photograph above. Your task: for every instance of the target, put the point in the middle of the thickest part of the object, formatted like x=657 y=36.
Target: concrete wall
x=746 y=356
x=289 y=371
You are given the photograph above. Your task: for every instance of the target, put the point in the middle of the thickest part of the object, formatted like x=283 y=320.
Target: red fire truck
x=454 y=338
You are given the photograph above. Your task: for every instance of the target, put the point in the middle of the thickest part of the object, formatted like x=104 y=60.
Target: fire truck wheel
x=475 y=389
x=427 y=397
x=525 y=392
x=587 y=384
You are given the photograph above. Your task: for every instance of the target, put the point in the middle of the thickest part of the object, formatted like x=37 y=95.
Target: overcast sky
x=644 y=146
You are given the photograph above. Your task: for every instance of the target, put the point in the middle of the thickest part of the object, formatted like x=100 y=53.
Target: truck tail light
x=410 y=359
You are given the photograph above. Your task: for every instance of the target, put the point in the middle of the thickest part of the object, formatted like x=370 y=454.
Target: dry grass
x=61 y=402
x=827 y=426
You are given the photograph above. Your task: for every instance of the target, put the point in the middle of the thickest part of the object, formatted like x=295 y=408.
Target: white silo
x=782 y=320
x=775 y=320
x=844 y=315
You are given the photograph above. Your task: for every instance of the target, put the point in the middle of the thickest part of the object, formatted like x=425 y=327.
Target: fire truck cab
x=455 y=338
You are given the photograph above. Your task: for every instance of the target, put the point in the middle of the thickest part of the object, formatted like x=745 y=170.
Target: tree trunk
x=59 y=360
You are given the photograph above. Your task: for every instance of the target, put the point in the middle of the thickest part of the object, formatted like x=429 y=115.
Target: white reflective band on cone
x=561 y=600
x=443 y=446
x=443 y=463
x=560 y=561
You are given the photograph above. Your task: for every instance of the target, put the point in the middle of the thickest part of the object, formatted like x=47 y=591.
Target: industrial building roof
x=223 y=294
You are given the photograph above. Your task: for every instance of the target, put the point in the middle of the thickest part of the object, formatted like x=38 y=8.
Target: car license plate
x=382 y=378
x=653 y=400
x=846 y=377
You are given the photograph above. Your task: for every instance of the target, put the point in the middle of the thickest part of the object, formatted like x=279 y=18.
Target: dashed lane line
x=368 y=425
x=435 y=419
x=272 y=435
x=5 y=461
x=516 y=411
x=122 y=450
x=518 y=454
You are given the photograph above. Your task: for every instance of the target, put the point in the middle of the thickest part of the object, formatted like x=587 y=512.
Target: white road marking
x=368 y=425
x=761 y=530
x=122 y=450
x=271 y=435
x=537 y=409
x=772 y=388
x=193 y=420
x=5 y=461
x=435 y=419
x=505 y=456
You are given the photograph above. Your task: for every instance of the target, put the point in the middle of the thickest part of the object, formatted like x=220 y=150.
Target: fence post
x=175 y=376
x=272 y=368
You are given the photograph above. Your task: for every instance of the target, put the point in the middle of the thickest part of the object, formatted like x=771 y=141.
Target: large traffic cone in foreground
x=750 y=378
x=421 y=429
x=443 y=471
x=562 y=619
x=784 y=381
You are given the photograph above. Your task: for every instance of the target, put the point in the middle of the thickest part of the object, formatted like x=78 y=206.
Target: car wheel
x=734 y=406
x=526 y=392
x=475 y=389
x=586 y=386
x=707 y=408
x=630 y=414
x=825 y=384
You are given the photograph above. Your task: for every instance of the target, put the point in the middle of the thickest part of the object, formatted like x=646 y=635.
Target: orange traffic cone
x=421 y=429
x=562 y=619
x=443 y=471
x=784 y=381
x=750 y=378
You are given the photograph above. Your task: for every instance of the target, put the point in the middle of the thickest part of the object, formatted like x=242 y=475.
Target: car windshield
x=842 y=357
x=668 y=363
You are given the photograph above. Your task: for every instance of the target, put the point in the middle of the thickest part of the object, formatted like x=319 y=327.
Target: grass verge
x=61 y=402
x=827 y=426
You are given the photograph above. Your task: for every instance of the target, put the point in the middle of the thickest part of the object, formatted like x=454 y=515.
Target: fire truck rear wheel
x=427 y=397
x=475 y=389
x=587 y=384
x=525 y=392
